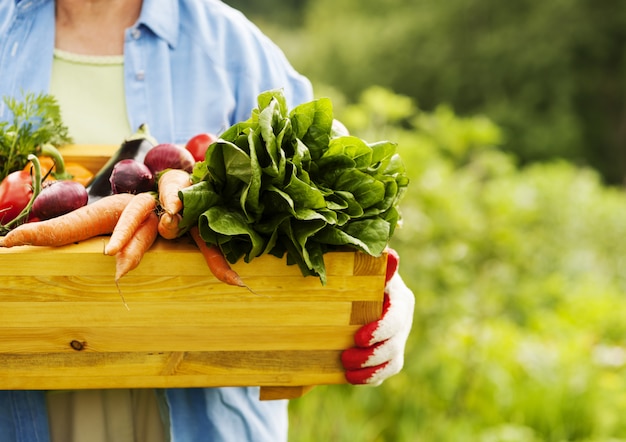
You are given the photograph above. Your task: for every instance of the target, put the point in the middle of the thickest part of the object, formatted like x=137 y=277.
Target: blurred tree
x=551 y=74
x=518 y=334
x=288 y=13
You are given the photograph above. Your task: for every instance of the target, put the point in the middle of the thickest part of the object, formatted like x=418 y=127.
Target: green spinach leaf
x=284 y=183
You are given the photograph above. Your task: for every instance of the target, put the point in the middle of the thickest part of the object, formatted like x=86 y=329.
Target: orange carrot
x=216 y=261
x=94 y=219
x=168 y=225
x=129 y=257
x=137 y=210
x=170 y=182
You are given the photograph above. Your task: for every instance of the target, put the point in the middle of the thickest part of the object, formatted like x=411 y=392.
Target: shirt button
x=140 y=75
x=135 y=33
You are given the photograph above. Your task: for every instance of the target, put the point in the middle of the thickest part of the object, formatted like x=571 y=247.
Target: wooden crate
x=64 y=325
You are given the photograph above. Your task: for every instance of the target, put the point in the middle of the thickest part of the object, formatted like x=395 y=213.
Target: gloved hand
x=379 y=350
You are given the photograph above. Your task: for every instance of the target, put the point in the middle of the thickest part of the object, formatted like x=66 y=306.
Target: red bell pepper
x=16 y=190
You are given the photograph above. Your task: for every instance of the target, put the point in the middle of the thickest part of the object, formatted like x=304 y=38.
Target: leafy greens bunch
x=36 y=121
x=285 y=183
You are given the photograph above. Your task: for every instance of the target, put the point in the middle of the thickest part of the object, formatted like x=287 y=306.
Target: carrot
x=94 y=219
x=216 y=261
x=137 y=210
x=168 y=225
x=129 y=257
x=170 y=183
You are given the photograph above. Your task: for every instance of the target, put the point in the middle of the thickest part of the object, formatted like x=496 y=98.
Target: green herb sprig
x=36 y=120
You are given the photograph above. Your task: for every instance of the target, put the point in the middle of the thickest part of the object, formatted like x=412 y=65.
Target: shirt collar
x=24 y=5
x=161 y=17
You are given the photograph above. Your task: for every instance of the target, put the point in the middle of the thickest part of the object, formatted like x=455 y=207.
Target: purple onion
x=131 y=176
x=169 y=156
x=58 y=198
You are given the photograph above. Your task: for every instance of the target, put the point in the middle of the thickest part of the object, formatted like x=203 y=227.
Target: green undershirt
x=90 y=93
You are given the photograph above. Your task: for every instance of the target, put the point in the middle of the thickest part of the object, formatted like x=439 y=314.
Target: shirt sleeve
x=255 y=63
x=272 y=70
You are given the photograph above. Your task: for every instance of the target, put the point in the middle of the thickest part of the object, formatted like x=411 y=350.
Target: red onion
x=131 y=176
x=169 y=156
x=58 y=198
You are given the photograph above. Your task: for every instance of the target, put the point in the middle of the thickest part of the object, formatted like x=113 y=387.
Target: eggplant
x=134 y=147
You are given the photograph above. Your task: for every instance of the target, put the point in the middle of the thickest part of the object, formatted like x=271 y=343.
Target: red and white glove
x=379 y=350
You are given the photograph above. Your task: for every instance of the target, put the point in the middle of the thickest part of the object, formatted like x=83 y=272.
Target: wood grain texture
x=93 y=157
x=63 y=323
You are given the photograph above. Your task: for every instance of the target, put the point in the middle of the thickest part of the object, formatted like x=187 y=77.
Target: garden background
x=511 y=119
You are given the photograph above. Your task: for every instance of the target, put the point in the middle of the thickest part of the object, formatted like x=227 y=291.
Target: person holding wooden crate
x=183 y=67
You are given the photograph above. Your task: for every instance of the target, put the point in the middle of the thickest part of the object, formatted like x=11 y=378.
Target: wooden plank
x=364 y=312
x=87 y=288
x=173 y=314
x=142 y=370
x=121 y=380
x=92 y=250
x=87 y=257
x=273 y=393
x=158 y=338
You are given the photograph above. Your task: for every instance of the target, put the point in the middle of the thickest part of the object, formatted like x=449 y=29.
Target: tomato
x=199 y=144
x=15 y=193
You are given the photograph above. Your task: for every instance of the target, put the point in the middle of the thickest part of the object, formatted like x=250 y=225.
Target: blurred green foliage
x=519 y=279
x=550 y=74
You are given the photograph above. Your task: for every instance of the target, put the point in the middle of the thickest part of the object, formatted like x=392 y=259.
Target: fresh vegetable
x=15 y=185
x=338 y=129
x=169 y=225
x=77 y=172
x=133 y=215
x=131 y=176
x=15 y=192
x=215 y=261
x=95 y=219
x=36 y=122
x=54 y=167
x=60 y=171
x=58 y=198
x=129 y=257
x=283 y=183
x=169 y=156
x=170 y=183
x=51 y=171
x=199 y=144
x=136 y=146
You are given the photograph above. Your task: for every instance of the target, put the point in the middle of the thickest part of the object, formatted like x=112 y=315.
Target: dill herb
x=36 y=120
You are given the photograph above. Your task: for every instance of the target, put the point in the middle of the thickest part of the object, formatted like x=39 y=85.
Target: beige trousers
x=105 y=416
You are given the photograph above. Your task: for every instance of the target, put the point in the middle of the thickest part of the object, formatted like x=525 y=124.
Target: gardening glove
x=379 y=350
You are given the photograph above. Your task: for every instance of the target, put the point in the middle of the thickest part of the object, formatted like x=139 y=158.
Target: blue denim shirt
x=190 y=66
